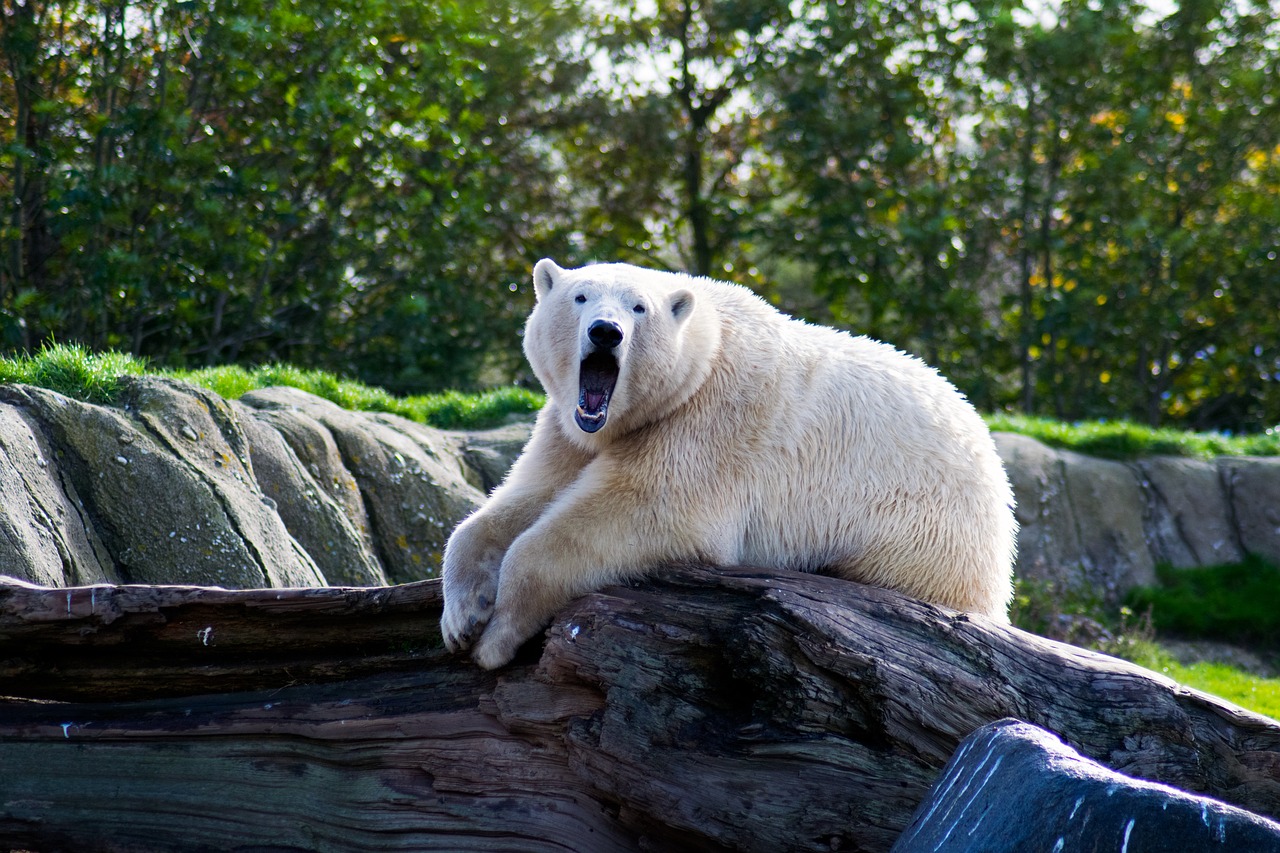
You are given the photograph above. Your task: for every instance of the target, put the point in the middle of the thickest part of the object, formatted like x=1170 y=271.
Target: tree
x=871 y=126
x=1069 y=208
x=325 y=182
x=668 y=141
x=1121 y=141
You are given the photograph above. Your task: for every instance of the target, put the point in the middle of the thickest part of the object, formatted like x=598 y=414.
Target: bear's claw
x=464 y=621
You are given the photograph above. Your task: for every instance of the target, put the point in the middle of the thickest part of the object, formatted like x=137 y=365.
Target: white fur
x=736 y=435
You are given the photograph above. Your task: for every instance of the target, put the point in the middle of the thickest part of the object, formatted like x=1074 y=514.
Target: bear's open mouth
x=597 y=376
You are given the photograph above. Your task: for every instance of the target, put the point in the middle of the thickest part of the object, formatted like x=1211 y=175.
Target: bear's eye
x=580 y=299
x=639 y=309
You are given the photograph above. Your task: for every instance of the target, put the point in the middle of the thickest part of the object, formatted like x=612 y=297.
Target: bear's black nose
x=605 y=334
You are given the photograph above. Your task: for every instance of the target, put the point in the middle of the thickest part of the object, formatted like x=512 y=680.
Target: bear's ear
x=681 y=305
x=545 y=273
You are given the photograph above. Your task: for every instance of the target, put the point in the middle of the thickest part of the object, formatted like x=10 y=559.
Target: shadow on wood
x=703 y=710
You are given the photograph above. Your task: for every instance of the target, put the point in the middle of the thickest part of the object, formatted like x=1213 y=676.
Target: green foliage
x=1127 y=440
x=1073 y=210
x=1082 y=618
x=342 y=184
x=1138 y=152
x=1238 y=603
x=1041 y=607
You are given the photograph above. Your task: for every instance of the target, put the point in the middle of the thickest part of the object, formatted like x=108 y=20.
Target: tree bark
x=703 y=710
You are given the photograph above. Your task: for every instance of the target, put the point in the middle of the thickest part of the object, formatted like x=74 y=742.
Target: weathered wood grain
x=704 y=710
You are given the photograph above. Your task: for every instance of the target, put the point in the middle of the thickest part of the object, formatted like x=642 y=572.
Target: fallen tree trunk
x=701 y=711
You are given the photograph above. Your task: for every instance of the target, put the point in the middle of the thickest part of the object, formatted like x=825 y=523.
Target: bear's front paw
x=465 y=616
x=499 y=643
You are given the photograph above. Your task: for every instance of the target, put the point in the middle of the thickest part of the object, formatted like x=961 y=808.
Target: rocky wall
x=173 y=484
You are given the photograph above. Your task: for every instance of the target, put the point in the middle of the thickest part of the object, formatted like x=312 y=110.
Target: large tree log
x=700 y=711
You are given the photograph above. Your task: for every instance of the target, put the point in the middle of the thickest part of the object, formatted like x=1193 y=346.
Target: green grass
x=447 y=410
x=1081 y=618
x=1238 y=603
x=1248 y=691
x=73 y=371
x=94 y=377
x=1126 y=440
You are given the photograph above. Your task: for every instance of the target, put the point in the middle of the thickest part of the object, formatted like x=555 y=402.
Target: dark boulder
x=1012 y=786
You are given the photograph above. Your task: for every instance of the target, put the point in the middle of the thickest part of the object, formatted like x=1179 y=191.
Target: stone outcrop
x=411 y=481
x=173 y=484
x=1102 y=526
x=1015 y=786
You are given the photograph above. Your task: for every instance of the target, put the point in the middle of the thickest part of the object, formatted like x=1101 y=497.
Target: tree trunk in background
x=702 y=711
x=27 y=242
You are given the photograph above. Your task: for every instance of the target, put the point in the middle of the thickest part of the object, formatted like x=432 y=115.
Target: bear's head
x=617 y=346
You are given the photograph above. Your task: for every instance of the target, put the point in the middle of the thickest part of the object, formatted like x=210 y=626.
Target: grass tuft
x=1126 y=440
x=75 y=372
x=447 y=410
x=453 y=410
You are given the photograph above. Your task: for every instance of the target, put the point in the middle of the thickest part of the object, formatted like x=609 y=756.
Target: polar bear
x=687 y=419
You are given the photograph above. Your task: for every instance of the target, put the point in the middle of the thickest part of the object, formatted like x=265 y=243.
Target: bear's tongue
x=597 y=376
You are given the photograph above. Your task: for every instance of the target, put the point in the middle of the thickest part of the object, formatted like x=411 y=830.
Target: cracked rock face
x=166 y=486
x=1190 y=519
x=1101 y=527
x=411 y=481
x=173 y=484
x=46 y=536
